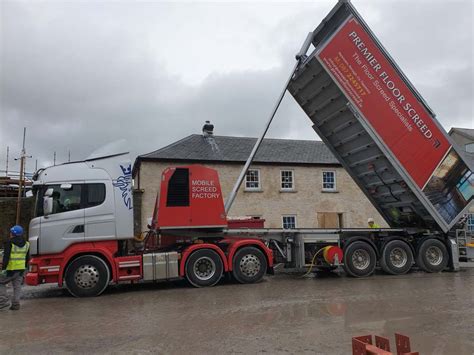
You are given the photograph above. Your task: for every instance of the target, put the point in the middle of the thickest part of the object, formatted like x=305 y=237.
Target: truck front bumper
x=42 y=271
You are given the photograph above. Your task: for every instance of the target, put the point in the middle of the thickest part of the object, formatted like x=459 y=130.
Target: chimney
x=207 y=129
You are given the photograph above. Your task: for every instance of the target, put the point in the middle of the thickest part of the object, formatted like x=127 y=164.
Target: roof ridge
x=274 y=139
x=169 y=145
x=465 y=132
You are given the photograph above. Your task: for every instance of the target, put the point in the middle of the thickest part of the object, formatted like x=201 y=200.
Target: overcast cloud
x=79 y=74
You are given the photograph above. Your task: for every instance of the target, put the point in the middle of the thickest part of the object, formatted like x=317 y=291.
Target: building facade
x=464 y=138
x=291 y=184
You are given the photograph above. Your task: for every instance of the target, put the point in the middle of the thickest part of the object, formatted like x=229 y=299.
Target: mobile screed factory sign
x=399 y=119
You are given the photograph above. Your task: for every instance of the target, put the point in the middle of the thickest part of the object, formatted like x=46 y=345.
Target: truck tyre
x=432 y=256
x=359 y=259
x=249 y=265
x=87 y=276
x=397 y=258
x=204 y=268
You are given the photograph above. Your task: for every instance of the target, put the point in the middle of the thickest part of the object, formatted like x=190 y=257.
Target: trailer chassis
x=396 y=251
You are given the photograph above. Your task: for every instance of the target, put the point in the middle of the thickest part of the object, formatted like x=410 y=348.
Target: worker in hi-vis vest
x=15 y=259
x=372 y=224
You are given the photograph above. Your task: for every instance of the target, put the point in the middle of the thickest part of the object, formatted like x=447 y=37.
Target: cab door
x=100 y=211
x=65 y=225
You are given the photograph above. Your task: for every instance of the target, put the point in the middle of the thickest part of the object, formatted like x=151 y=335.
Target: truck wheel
x=359 y=259
x=397 y=258
x=249 y=265
x=204 y=268
x=432 y=256
x=87 y=276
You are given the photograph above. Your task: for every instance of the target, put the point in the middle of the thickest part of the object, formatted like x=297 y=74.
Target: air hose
x=312 y=262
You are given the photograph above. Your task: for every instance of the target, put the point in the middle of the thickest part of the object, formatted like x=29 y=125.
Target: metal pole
x=18 y=203
x=6 y=165
x=69 y=156
x=20 y=182
x=54 y=159
x=235 y=189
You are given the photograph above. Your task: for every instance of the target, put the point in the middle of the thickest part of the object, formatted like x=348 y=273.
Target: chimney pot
x=207 y=129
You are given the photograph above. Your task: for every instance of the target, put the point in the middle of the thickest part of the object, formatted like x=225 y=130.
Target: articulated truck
x=364 y=109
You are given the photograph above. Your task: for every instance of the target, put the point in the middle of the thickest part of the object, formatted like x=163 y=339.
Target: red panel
x=167 y=240
x=382 y=343
x=246 y=223
x=129 y=267
x=358 y=347
x=403 y=343
x=373 y=350
x=362 y=345
x=374 y=87
x=206 y=206
x=366 y=339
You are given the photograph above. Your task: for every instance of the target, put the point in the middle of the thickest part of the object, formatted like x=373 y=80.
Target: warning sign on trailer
x=390 y=107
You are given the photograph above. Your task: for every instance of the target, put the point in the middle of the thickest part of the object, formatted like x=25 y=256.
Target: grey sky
x=79 y=74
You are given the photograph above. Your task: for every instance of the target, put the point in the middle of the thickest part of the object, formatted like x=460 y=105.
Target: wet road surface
x=284 y=314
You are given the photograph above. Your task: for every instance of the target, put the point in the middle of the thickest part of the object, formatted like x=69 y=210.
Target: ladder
x=464 y=239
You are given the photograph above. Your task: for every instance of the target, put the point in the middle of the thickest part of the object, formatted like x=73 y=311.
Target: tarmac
x=284 y=314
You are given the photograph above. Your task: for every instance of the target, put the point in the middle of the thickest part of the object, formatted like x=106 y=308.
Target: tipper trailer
x=362 y=107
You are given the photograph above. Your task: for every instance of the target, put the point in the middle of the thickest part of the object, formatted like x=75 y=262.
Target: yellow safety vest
x=375 y=226
x=17 y=259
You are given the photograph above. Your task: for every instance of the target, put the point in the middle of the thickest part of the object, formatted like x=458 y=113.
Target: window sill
x=288 y=190
x=329 y=191
x=253 y=190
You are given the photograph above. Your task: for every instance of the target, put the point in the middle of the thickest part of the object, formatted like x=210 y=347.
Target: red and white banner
x=377 y=90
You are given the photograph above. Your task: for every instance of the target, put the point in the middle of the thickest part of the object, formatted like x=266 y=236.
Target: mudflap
x=453 y=255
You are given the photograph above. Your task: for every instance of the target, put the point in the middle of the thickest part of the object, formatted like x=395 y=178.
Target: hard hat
x=370 y=220
x=17 y=231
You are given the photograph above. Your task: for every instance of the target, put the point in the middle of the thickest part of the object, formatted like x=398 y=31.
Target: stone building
x=291 y=183
x=464 y=138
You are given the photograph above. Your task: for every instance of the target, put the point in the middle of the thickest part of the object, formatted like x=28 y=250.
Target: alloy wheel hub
x=204 y=268
x=86 y=276
x=250 y=265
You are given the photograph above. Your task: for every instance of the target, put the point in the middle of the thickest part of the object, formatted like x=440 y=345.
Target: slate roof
x=196 y=147
x=466 y=132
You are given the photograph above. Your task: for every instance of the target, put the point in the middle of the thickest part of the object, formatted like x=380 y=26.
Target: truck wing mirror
x=49 y=192
x=47 y=205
